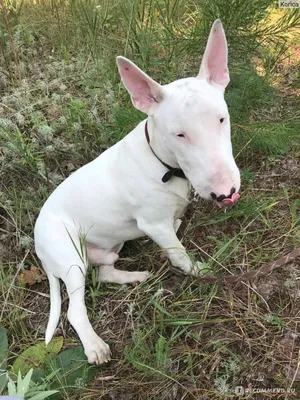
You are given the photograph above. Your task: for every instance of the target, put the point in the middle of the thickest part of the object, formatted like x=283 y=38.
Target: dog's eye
x=222 y=120
x=180 y=135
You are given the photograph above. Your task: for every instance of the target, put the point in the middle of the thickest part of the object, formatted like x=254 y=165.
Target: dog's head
x=190 y=120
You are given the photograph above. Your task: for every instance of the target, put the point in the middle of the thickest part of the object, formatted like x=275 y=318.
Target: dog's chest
x=180 y=197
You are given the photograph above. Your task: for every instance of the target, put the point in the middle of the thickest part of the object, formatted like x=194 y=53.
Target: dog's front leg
x=163 y=234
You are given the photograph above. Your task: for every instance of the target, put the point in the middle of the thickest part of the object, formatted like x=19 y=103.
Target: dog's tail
x=55 y=306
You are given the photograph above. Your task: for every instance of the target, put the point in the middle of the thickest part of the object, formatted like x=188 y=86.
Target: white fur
x=120 y=196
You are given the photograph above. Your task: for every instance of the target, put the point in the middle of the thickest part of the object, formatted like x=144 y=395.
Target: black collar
x=172 y=171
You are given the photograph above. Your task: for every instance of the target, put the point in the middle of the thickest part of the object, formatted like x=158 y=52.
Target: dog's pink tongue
x=230 y=202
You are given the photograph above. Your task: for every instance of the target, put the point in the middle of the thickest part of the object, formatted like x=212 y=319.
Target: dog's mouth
x=229 y=202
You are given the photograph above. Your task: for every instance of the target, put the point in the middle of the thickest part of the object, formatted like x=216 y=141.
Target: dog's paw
x=198 y=269
x=143 y=276
x=137 y=277
x=98 y=352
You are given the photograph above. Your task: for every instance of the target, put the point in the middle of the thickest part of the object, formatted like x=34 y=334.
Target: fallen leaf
x=31 y=276
x=35 y=356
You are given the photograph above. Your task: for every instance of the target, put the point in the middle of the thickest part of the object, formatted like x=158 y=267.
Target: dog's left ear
x=214 y=63
x=146 y=94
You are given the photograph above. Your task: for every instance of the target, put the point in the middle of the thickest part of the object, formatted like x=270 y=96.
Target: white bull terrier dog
x=140 y=186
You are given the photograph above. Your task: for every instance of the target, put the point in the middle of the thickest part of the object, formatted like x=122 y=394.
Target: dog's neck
x=158 y=145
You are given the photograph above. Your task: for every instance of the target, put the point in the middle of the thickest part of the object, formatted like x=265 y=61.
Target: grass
x=62 y=105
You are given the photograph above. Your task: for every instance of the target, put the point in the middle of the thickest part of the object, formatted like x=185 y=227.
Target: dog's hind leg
x=108 y=273
x=61 y=257
x=96 y=255
x=96 y=350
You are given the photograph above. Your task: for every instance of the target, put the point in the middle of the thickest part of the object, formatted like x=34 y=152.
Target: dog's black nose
x=222 y=196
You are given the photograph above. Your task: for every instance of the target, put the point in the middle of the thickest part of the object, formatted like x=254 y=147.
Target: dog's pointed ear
x=214 y=63
x=146 y=94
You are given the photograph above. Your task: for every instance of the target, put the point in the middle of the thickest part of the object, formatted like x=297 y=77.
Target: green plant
x=246 y=93
x=26 y=389
x=22 y=148
x=23 y=388
x=68 y=372
x=275 y=320
x=3 y=356
x=150 y=353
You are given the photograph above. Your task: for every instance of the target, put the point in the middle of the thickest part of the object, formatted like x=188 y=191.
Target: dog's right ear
x=146 y=94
